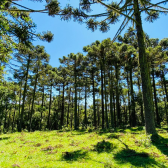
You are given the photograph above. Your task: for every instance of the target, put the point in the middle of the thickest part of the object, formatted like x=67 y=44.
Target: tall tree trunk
x=117 y=96
x=164 y=83
x=155 y=97
x=72 y=109
x=102 y=96
x=145 y=74
x=62 y=114
x=129 y=109
x=79 y=110
x=111 y=99
x=42 y=105
x=49 y=124
x=86 y=103
x=6 y=113
x=115 y=124
x=75 y=112
x=141 y=104
x=9 y=119
x=24 y=94
x=133 y=116
x=98 y=115
x=13 y=122
x=94 y=109
x=105 y=96
x=166 y=110
x=32 y=107
x=68 y=107
x=20 y=95
x=165 y=89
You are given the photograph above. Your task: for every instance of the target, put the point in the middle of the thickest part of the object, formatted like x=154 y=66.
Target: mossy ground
x=80 y=149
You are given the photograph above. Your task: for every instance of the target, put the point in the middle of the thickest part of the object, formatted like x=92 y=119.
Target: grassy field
x=80 y=149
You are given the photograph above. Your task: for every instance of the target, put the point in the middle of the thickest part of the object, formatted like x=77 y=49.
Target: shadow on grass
x=74 y=156
x=136 y=158
x=132 y=130
x=103 y=146
x=79 y=132
x=161 y=144
x=113 y=136
x=4 y=138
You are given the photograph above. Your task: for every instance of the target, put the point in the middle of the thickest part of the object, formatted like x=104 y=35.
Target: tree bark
x=141 y=104
x=145 y=74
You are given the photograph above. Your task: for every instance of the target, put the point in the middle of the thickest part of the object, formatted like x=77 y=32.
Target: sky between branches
x=72 y=37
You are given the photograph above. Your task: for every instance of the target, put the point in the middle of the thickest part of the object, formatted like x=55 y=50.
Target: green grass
x=79 y=149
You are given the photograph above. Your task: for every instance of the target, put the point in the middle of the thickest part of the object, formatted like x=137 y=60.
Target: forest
x=114 y=85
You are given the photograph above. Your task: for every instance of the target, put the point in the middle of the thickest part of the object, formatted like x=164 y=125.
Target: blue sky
x=72 y=37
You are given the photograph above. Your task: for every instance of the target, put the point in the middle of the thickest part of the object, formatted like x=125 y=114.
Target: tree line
x=131 y=10
x=101 y=88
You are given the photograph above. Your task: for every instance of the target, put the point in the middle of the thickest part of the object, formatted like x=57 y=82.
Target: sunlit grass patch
x=84 y=149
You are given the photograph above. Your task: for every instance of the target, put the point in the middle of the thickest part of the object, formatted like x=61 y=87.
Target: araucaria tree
x=131 y=11
x=109 y=70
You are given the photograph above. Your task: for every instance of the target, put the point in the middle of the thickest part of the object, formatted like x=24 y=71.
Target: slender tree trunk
x=75 y=114
x=13 y=122
x=68 y=107
x=115 y=124
x=49 y=124
x=111 y=99
x=166 y=110
x=133 y=116
x=107 y=123
x=24 y=94
x=42 y=105
x=6 y=113
x=98 y=115
x=117 y=96
x=94 y=109
x=129 y=109
x=9 y=119
x=145 y=74
x=32 y=107
x=155 y=97
x=102 y=96
x=141 y=104
x=20 y=95
x=79 y=110
x=86 y=103
x=62 y=114
x=72 y=109
x=165 y=89
x=164 y=83
x=28 y=116
x=126 y=116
